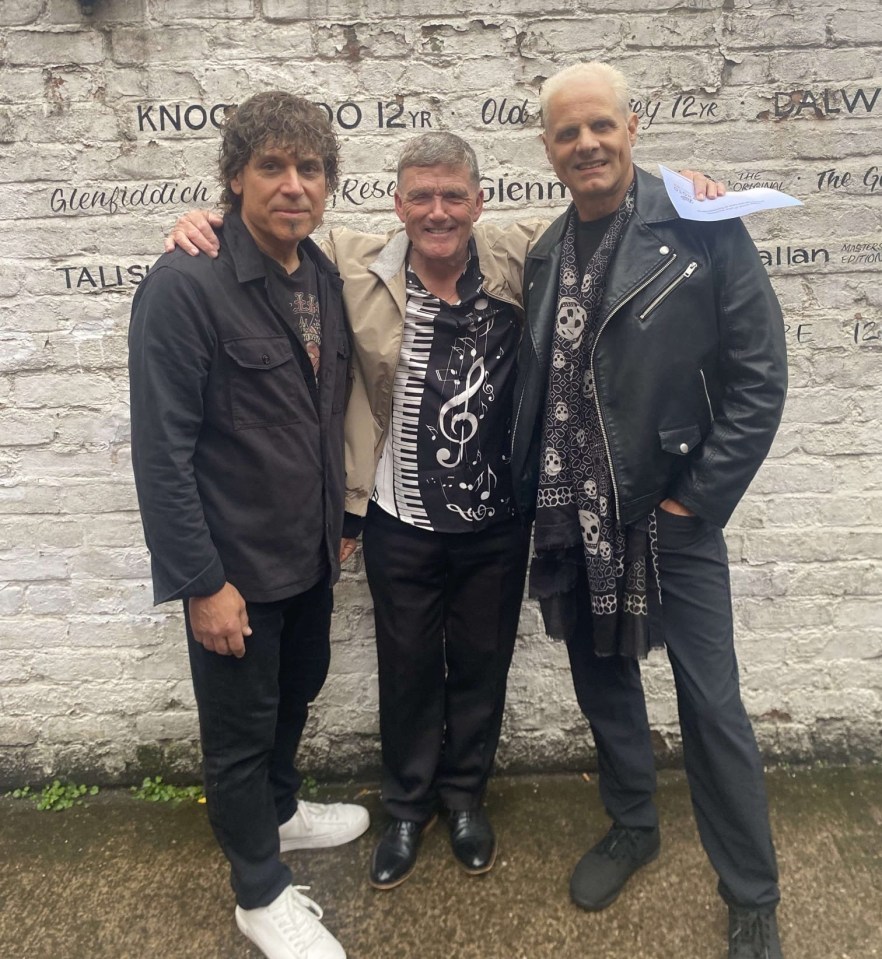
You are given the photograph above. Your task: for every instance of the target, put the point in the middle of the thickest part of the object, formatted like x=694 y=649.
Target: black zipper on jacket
x=668 y=290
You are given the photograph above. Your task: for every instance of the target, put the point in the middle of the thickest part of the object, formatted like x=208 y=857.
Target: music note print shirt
x=445 y=465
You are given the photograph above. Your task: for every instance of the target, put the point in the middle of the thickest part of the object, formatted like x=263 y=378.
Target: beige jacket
x=372 y=267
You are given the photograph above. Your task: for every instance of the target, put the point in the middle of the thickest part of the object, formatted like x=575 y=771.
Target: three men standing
x=651 y=381
x=239 y=368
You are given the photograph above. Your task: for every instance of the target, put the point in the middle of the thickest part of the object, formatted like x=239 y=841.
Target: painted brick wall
x=107 y=132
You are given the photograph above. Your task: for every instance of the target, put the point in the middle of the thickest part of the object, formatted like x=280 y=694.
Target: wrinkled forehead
x=440 y=176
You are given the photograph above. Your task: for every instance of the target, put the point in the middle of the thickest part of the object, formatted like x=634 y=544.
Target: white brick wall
x=105 y=122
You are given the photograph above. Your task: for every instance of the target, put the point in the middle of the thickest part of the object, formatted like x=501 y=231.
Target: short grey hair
x=432 y=149
x=595 y=71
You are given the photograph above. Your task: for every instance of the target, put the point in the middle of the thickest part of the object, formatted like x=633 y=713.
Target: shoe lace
x=620 y=843
x=751 y=933
x=314 y=812
x=289 y=915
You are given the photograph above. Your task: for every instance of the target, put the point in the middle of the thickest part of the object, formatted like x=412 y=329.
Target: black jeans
x=446 y=607
x=251 y=715
x=723 y=764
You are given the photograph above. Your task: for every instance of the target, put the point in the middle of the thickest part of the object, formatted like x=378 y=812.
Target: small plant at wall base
x=56 y=795
x=309 y=785
x=153 y=789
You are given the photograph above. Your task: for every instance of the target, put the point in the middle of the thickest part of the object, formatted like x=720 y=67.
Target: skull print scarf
x=577 y=531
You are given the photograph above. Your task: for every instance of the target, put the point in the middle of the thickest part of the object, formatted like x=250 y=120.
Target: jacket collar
x=652 y=205
x=248 y=260
x=392 y=257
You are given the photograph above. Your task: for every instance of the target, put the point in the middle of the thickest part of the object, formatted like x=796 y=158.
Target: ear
x=399 y=206
x=236 y=184
x=545 y=144
x=479 y=206
x=633 y=121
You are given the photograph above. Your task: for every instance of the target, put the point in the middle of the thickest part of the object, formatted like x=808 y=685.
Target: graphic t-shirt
x=295 y=295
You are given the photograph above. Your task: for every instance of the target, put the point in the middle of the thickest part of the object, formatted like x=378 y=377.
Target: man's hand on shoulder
x=220 y=621
x=194 y=233
x=704 y=187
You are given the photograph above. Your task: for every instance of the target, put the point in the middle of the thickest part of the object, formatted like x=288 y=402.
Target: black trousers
x=723 y=765
x=446 y=607
x=251 y=716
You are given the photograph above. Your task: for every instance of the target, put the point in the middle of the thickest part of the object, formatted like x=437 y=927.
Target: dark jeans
x=251 y=715
x=723 y=765
x=446 y=607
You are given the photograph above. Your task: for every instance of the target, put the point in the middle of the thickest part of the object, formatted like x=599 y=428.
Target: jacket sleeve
x=359 y=427
x=753 y=380
x=170 y=351
x=361 y=434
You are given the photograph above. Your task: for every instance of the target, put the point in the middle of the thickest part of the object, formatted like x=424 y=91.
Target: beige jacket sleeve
x=375 y=311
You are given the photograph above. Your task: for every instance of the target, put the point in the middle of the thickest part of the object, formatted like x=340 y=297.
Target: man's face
x=588 y=141
x=438 y=205
x=283 y=198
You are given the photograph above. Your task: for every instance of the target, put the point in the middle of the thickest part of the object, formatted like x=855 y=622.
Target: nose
x=291 y=183
x=438 y=212
x=587 y=140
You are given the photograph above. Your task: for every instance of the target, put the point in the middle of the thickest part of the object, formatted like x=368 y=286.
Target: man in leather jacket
x=436 y=313
x=652 y=376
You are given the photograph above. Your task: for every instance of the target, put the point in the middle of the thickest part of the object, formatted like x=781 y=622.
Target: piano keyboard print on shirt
x=410 y=379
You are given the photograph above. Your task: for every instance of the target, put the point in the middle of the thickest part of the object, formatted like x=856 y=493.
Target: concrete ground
x=122 y=878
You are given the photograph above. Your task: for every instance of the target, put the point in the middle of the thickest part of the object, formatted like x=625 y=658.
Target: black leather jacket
x=690 y=363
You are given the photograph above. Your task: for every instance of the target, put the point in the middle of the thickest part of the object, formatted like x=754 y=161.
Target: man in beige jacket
x=436 y=314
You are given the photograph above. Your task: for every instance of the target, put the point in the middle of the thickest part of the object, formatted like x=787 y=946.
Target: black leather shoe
x=603 y=871
x=395 y=854
x=472 y=840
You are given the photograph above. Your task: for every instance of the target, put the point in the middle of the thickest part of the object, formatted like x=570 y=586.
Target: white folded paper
x=722 y=208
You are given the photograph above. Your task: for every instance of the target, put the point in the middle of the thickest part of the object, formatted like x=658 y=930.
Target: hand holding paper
x=723 y=208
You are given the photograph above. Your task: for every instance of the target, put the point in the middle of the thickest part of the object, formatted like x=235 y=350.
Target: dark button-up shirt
x=239 y=474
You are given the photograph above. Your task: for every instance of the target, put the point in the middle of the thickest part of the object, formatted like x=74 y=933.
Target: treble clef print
x=459 y=425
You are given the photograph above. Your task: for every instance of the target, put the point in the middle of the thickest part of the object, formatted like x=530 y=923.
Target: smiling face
x=588 y=141
x=438 y=205
x=283 y=199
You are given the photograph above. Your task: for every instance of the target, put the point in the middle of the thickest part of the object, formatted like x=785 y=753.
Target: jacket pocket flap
x=259 y=352
x=682 y=440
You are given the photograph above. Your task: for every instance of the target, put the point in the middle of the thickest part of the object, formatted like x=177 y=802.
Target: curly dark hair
x=280 y=119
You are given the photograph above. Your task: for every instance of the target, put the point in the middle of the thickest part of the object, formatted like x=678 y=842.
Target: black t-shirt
x=588 y=236
x=295 y=296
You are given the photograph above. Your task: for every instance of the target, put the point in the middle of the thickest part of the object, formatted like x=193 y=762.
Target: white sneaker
x=289 y=928
x=319 y=825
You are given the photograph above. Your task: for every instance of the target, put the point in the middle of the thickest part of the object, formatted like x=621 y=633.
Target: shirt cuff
x=353 y=524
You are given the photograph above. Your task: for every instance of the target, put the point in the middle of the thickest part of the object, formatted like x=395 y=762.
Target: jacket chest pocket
x=262 y=381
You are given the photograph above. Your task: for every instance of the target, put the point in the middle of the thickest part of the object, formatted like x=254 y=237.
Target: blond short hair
x=595 y=71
